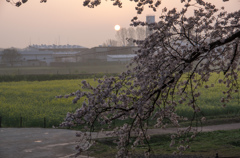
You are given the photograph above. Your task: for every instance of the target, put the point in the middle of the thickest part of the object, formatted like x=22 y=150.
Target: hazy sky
x=68 y=22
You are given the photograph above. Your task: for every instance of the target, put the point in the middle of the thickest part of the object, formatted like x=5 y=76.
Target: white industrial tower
x=150 y=19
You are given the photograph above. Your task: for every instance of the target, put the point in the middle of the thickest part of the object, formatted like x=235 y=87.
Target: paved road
x=59 y=143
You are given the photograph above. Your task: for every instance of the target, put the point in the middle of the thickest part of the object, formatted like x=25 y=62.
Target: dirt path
x=59 y=143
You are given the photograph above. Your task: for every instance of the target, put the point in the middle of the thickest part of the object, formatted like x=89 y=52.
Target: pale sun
x=117 y=27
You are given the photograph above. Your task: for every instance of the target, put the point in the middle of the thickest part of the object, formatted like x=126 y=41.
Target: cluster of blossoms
x=171 y=64
x=20 y=2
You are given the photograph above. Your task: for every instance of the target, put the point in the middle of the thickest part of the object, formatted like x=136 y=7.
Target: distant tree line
x=126 y=36
x=10 y=56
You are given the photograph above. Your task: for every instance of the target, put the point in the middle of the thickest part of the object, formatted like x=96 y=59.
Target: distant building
x=120 y=58
x=46 y=55
x=58 y=48
x=52 y=53
x=104 y=54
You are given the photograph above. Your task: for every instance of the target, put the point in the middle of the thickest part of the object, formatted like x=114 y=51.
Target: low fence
x=47 y=77
x=47 y=123
x=23 y=122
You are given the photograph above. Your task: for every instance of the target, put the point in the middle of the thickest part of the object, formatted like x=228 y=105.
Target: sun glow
x=117 y=27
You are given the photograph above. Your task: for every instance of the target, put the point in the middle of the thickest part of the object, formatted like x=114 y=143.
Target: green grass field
x=209 y=101
x=34 y=100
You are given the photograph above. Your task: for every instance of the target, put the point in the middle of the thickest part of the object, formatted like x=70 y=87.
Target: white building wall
x=121 y=58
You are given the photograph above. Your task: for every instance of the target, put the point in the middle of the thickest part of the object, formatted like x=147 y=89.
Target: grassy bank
x=225 y=143
x=66 y=68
